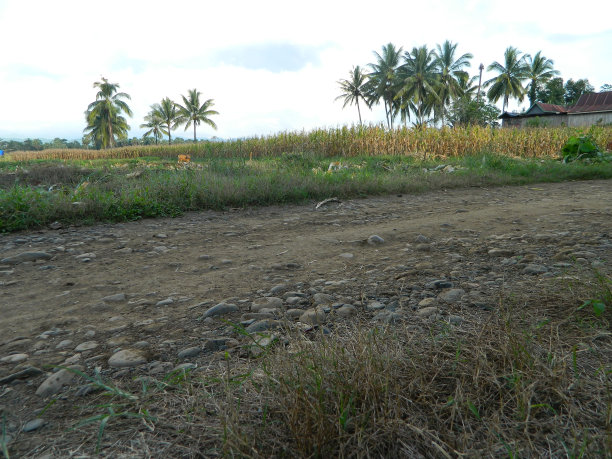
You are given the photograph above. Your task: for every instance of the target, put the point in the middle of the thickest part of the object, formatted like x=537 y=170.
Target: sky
x=268 y=65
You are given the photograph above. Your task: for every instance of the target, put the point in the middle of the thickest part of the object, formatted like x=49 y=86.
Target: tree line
x=107 y=124
x=433 y=85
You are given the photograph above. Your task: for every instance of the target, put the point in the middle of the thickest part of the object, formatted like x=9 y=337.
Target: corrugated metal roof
x=593 y=102
x=552 y=108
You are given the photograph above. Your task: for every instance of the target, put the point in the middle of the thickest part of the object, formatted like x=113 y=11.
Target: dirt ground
x=172 y=271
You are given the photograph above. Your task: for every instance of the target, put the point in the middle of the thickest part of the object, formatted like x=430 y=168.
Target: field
x=439 y=305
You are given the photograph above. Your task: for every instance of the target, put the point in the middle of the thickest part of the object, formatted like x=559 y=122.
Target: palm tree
x=419 y=81
x=105 y=123
x=450 y=72
x=353 y=89
x=539 y=71
x=167 y=111
x=383 y=81
x=194 y=112
x=509 y=82
x=155 y=124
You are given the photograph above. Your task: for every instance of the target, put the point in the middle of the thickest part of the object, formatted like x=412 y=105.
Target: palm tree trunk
x=194 y=133
x=358 y=111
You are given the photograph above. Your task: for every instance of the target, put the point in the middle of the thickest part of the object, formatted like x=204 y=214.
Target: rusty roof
x=593 y=102
x=552 y=108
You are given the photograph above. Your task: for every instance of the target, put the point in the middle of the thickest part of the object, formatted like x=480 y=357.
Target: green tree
x=169 y=114
x=105 y=122
x=509 y=81
x=194 y=112
x=382 y=82
x=467 y=111
x=605 y=87
x=419 y=81
x=451 y=72
x=353 y=89
x=155 y=124
x=574 y=89
x=552 y=92
x=540 y=70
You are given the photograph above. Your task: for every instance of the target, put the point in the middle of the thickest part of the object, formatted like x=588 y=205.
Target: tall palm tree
x=383 y=80
x=419 y=81
x=450 y=71
x=192 y=112
x=539 y=71
x=509 y=82
x=155 y=124
x=105 y=123
x=353 y=89
x=168 y=112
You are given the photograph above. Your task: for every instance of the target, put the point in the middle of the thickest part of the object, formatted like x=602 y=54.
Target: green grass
x=36 y=193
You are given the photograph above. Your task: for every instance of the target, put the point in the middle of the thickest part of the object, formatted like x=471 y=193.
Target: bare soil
x=481 y=239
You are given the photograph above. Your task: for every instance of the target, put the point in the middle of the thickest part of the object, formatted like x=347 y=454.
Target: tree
x=552 y=92
x=574 y=89
x=539 y=71
x=353 y=89
x=105 y=122
x=450 y=72
x=605 y=87
x=155 y=124
x=168 y=112
x=383 y=81
x=509 y=82
x=467 y=111
x=192 y=112
x=419 y=81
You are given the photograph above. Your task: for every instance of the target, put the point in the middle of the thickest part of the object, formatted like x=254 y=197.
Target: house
x=591 y=108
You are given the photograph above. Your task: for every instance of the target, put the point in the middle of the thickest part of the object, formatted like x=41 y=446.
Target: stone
x=86 y=346
x=323 y=298
x=346 y=310
x=116 y=298
x=189 y=352
x=501 y=252
x=262 y=325
x=313 y=316
x=54 y=383
x=165 y=302
x=455 y=320
x=374 y=239
x=452 y=295
x=64 y=344
x=439 y=284
x=294 y=314
x=375 y=306
x=423 y=247
x=387 y=317
x=220 y=309
x=14 y=358
x=127 y=358
x=421 y=239
x=535 y=269
x=26 y=373
x=427 y=302
x=26 y=256
x=278 y=289
x=270 y=302
x=426 y=312
x=346 y=255
x=34 y=424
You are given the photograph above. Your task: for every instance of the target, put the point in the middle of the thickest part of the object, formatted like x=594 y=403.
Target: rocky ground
x=143 y=298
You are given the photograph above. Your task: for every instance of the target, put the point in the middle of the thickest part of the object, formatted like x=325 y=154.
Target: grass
x=36 y=193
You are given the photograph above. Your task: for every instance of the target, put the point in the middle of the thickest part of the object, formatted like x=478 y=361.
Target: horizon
x=283 y=80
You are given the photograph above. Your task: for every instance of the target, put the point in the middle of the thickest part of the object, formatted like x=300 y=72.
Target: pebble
x=427 y=302
x=116 y=298
x=14 y=358
x=323 y=298
x=64 y=344
x=34 y=424
x=346 y=310
x=86 y=346
x=374 y=239
x=313 y=316
x=452 y=295
x=426 y=312
x=127 y=358
x=165 y=302
x=534 y=269
x=26 y=373
x=54 y=383
x=220 y=309
x=346 y=255
x=26 y=256
x=189 y=352
x=387 y=317
x=262 y=325
x=375 y=306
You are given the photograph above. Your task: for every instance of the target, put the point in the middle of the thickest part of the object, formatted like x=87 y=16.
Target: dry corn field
x=355 y=141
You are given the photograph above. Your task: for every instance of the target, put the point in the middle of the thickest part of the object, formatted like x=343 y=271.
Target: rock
x=270 y=302
x=54 y=383
x=26 y=256
x=220 y=309
x=426 y=312
x=346 y=310
x=375 y=306
x=86 y=256
x=455 y=320
x=26 y=373
x=346 y=255
x=313 y=316
x=116 y=298
x=439 y=284
x=184 y=367
x=535 y=269
x=262 y=325
x=423 y=247
x=387 y=317
x=127 y=358
x=86 y=346
x=501 y=252
x=452 y=295
x=420 y=239
x=189 y=352
x=34 y=424
x=261 y=344
x=294 y=314
x=64 y=344
x=215 y=344
x=278 y=289
x=375 y=240
x=165 y=302
x=323 y=298
x=427 y=302
x=14 y=358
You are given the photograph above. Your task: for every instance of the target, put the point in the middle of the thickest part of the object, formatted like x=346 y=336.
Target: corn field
x=355 y=141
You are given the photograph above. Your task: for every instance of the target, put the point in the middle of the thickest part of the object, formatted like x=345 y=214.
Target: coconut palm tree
x=168 y=112
x=419 y=81
x=105 y=123
x=450 y=71
x=539 y=71
x=155 y=125
x=353 y=89
x=509 y=82
x=192 y=112
x=382 y=82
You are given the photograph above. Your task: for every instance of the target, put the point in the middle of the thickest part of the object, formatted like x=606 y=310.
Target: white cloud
x=269 y=65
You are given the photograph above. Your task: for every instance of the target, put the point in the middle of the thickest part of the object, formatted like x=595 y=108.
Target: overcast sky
x=269 y=65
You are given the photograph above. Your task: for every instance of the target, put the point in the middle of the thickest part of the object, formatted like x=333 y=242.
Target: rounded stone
x=127 y=358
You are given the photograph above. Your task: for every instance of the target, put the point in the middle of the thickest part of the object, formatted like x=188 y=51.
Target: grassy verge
x=36 y=193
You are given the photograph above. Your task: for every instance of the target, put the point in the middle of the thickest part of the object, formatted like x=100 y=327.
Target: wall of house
x=589 y=119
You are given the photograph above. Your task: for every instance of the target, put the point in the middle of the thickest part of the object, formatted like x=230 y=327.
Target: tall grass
x=355 y=141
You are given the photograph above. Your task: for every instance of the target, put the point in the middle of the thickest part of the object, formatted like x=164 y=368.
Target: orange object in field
x=184 y=158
